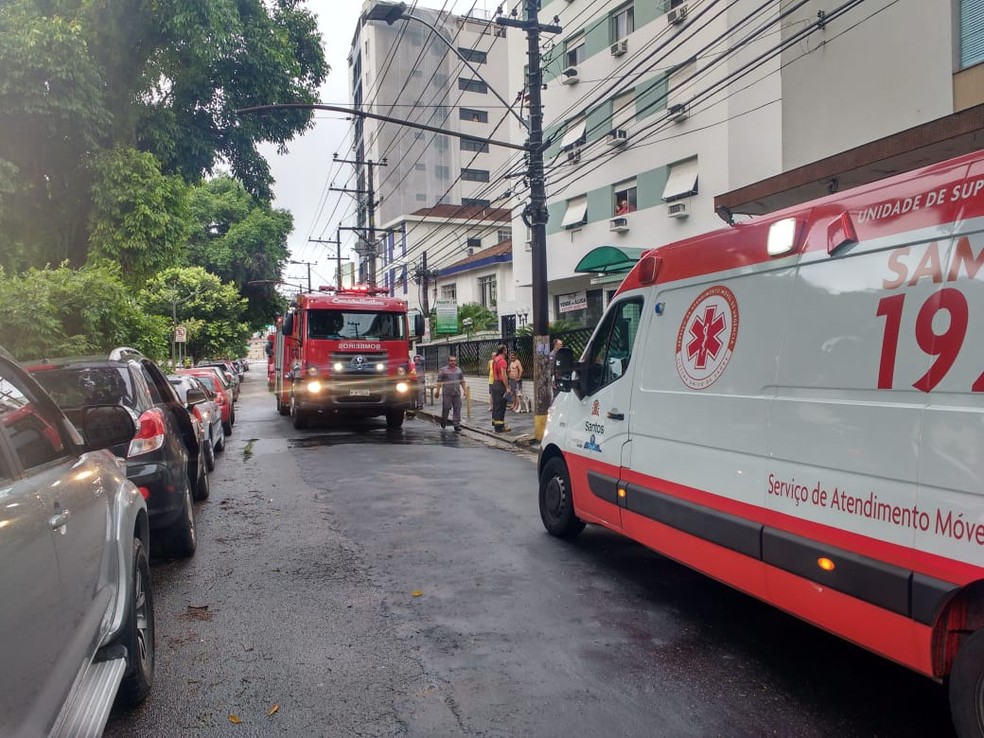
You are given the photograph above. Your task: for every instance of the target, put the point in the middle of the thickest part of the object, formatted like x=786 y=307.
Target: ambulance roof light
x=782 y=236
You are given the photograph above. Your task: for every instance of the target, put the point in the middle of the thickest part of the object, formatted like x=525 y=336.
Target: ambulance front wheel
x=966 y=687
x=556 y=503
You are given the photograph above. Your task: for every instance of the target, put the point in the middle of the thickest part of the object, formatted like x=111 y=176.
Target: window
x=622 y=23
x=682 y=181
x=441 y=143
x=474 y=175
x=476 y=201
x=474 y=243
x=503 y=234
x=681 y=83
x=574 y=135
x=574 y=51
x=470 y=144
x=971 y=32
x=442 y=172
x=576 y=213
x=474 y=116
x=34 y=437
x=624 y=198
x=473 y=85
x=449 y=291
x=473 y=55
x=420 y=166
x=420 y=197
x=611 y=350
x=486 y=292
x=623 y=110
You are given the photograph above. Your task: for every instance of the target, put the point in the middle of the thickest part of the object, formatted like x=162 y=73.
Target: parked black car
x=164 y=459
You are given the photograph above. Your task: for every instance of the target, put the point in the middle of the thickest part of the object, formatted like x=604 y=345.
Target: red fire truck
x=345 y=353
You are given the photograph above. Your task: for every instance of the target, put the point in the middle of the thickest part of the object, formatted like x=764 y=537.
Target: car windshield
x=208 y=381
x=355 y=324
x=75 y=387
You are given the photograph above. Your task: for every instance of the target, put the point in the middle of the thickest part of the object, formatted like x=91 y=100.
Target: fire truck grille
x=359 y=364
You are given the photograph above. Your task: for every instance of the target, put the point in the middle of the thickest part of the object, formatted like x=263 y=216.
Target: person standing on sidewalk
x=420 y=370
x=450 y=386
x=500 y=385
x=515 y=370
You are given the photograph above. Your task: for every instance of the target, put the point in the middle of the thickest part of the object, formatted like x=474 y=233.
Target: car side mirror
x=107 y=425
x=195 y=396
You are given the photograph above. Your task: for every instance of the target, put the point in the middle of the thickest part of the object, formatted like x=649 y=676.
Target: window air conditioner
x=618 y=137
x=677 y=210
x=529 y=245
x=619 y=47
x=618 y=225
x=677 y=15
x=574 y=155
x=678 y=112
x=568 y=76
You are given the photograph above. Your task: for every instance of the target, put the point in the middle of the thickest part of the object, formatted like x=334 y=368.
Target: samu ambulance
x=795 y=407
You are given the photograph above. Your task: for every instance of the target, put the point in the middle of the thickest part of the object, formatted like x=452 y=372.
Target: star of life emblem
x=707 y=336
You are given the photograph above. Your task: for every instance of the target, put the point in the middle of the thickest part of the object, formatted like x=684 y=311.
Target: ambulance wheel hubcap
x=555 y=497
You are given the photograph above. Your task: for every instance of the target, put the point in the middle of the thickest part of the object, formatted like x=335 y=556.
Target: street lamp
x=522 y=314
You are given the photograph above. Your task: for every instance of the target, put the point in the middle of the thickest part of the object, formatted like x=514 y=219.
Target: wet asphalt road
x=354 y=582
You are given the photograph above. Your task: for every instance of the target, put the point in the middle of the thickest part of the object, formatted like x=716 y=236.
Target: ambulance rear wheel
x=966 y=687
x=556 y=502
x=394 y=419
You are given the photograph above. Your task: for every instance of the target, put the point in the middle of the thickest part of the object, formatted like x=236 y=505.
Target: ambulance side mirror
x=563 y=369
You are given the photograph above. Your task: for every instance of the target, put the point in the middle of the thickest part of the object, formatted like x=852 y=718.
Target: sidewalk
x=476 y=417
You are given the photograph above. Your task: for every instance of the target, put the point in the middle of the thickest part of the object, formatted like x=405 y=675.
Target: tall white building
x=433 y=191
x=691 y=112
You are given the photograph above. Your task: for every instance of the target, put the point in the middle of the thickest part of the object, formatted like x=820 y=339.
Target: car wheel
x=209 y=454
x=966 y=686
x=138 y=634
x=220 y=444
x=298 y=417
x=394 y=419
x=202 y=488
x=232 y=417
x=556 y=503
x=181 y=539
x=226 y=428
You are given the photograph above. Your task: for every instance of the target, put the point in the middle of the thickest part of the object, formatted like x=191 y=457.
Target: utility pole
x=535 y=212
x=308 y=264
x=337 y=243
x=370 y=255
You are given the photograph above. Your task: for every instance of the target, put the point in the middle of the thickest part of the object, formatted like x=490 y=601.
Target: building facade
x=654 y=110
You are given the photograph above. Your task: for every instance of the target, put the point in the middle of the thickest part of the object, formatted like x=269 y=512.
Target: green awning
x=609 y=259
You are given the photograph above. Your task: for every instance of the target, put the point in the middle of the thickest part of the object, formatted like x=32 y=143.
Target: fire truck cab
x=345 y=353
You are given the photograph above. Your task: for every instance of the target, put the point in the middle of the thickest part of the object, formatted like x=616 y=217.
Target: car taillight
x=198 y=414
x=150 y=433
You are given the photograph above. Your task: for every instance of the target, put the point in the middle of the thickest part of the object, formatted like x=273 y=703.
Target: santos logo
x=594 y=427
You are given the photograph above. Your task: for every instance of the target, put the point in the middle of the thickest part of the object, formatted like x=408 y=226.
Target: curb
x=522 y=440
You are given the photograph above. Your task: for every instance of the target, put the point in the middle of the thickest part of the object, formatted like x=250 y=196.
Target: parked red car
x=223 y=395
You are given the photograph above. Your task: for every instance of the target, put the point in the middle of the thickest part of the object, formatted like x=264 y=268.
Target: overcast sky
x=305 y=173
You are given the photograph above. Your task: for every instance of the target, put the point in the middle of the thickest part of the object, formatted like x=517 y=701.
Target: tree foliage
x=64 y=312
x=242 y=240
x=210 y=309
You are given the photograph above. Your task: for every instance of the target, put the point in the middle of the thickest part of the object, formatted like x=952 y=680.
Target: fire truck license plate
x=359 y=392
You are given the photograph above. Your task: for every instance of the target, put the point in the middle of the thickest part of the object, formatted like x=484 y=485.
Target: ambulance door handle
x=615 y=415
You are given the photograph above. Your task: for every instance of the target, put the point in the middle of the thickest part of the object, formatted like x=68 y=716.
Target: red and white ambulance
x=345 y=353
x=795 y=407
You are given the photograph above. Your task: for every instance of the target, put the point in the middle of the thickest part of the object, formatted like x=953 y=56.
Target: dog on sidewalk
x=525 y=406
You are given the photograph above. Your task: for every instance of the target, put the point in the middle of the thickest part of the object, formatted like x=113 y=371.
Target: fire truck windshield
x=355 y=324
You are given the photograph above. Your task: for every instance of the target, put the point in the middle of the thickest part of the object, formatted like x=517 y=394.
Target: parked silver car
x=76 y=604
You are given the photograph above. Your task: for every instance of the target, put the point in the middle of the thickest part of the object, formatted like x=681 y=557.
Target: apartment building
x=442 y=71
x=667 y=118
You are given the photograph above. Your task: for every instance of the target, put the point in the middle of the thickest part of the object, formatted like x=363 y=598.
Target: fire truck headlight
x=380 y=367
x=314 y=387
x=337 y=366
x=401 y=387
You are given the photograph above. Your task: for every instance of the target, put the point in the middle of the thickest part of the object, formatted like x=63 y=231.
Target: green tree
x=482 y=318
x=139 y=217
x=210 y=309
x=242 y=240
x=65 y=312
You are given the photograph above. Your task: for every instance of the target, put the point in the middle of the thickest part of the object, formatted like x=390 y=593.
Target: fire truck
x=345 y=353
